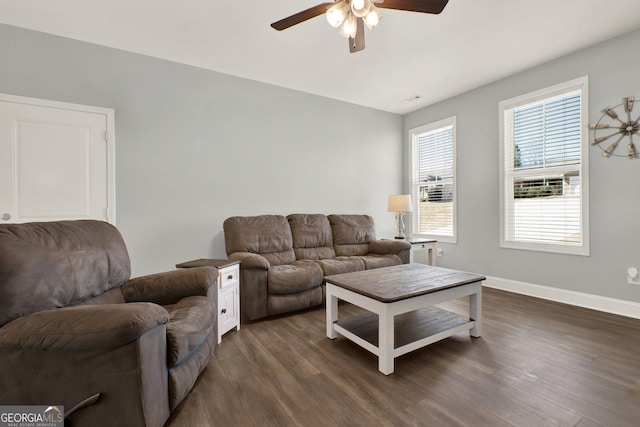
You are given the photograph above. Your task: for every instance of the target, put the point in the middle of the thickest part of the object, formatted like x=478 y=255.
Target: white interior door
x=56 y=161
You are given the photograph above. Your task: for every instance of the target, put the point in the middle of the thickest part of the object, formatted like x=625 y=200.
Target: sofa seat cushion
x=379 y=261
x=297 y=277
x=191 y=320
x=341 y=264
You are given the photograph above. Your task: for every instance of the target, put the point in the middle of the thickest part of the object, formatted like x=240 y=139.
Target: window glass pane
x=436 y=210
x=436 y=155
x=434 y=179
x=546 y=209
x=547 y=132
x=543 y=198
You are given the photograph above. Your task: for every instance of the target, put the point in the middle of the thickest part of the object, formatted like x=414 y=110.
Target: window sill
x=563 y=250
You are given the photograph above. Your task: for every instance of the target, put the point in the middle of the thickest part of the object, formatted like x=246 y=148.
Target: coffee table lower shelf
x=412 y=330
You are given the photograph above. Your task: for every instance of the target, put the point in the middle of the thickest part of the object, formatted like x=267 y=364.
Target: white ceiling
x=473 y=42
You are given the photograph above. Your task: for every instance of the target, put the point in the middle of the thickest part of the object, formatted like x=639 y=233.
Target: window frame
x=580 y=84
x=414 y=173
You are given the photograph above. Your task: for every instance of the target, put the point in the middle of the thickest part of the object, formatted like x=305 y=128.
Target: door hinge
x=106 y=136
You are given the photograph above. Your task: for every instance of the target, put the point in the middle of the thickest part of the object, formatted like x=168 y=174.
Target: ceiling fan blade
x=422 y=6
x=299 y=17
x=357 y=44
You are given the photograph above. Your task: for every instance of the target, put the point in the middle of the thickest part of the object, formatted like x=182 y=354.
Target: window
x=543 y=170
x=433 y=180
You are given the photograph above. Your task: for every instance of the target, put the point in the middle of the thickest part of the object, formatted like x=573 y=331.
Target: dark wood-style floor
x=538 y=363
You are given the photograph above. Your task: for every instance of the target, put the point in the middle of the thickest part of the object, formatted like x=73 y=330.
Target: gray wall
x=614 y=183
x=194 y=147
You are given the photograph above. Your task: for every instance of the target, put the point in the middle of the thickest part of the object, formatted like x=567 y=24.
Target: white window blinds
x=434 y=180
x=543 y=183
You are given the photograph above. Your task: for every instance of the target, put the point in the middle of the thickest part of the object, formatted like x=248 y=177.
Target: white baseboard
x=595 y=302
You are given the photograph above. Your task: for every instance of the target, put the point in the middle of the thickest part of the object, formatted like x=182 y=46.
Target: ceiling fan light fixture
x=360 y=7
x=349 y=27
x=337 y=13
x=351 y=16
x=372 y=18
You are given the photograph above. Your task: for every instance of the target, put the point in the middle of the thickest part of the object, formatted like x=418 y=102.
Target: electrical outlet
x=633 y=276
x=439 y=251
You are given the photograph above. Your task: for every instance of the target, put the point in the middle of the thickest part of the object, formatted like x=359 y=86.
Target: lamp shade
x=400 y=203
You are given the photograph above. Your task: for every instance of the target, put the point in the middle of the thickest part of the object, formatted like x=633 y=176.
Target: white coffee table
x=399 y=300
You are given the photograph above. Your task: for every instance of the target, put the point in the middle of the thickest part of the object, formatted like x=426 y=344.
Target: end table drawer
x=229 y=276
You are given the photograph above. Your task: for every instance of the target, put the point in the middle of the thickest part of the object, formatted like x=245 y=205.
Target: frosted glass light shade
x=337 y=14
x=372 y=18
x=360 y=7
x=349 y=27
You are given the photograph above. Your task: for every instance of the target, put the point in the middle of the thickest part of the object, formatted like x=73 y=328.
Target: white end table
x=418 y=244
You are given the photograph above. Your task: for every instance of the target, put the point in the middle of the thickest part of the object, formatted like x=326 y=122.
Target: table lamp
x=400 y=203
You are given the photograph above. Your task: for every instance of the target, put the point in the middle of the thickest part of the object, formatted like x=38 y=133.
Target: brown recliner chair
x=73 y=327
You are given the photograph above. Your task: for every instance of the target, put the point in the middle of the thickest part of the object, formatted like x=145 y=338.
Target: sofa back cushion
x=267 y=235
x=352 y=234
x=47 y=265
x=312 y=236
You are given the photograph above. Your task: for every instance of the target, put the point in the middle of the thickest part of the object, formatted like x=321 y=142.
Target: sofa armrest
x=171 y=286
x=84 y=327
x=385 y=247
x=250 y=260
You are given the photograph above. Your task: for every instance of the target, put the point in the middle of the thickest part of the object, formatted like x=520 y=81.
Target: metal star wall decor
x=611 y=125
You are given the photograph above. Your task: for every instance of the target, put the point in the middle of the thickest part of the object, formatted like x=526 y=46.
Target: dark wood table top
x=418 y=240
x=403 y=281
x=207 y=262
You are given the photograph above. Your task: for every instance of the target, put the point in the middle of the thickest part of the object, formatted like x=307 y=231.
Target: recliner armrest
x=83 y=327
x=250 y=260
x=385 y=247
x=171 y=286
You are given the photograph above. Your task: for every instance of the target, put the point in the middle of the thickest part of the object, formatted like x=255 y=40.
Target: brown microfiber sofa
x=283 y=260
x=73 y=325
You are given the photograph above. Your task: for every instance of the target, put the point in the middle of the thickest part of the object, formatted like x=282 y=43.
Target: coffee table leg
x=385 y=342
x=332 y=312
x=475 y=312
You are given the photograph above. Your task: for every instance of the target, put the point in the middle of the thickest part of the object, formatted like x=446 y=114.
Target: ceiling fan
x=352 y=15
